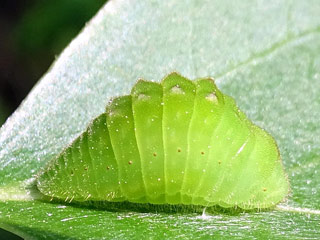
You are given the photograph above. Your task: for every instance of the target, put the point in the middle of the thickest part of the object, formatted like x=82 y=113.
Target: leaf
x=265 y=54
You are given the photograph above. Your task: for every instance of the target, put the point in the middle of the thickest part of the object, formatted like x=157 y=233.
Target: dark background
x=32 y=34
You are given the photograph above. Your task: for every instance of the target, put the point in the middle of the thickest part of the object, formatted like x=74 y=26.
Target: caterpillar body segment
x=178 y=105
x=147 y=97
x=120 y=123
x=103 y=159
x=208 y=99
x=177 y=142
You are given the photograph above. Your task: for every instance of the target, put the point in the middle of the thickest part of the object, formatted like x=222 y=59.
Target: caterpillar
x=174 y=142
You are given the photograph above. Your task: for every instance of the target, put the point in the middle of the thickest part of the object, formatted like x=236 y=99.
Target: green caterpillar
x=177 y=142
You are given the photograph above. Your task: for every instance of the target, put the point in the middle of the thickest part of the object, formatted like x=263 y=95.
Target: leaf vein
x=266 y=52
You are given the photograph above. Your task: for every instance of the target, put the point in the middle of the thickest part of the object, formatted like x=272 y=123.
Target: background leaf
x=3 y=112
x=263 y=53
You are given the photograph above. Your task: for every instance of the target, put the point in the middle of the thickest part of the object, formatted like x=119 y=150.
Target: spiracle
x=174 y=142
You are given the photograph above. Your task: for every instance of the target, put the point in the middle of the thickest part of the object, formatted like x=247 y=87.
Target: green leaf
x=263 y=53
